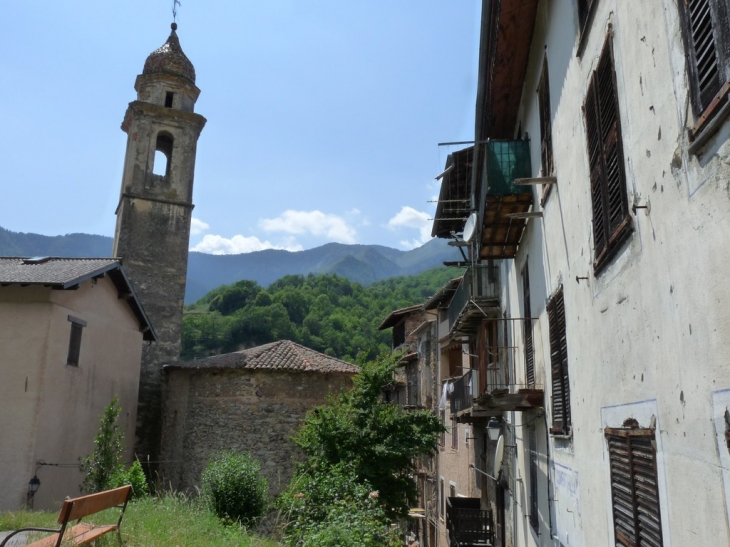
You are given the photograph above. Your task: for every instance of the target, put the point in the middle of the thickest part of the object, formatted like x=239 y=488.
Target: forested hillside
x=327 y=313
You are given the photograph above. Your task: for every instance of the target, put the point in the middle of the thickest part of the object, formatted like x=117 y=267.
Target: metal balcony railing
x=468 y=525
x=464 y=390
x=479 y=288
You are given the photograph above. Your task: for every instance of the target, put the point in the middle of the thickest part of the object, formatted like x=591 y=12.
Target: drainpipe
x=547 y=452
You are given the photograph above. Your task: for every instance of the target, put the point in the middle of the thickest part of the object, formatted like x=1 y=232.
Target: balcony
x=492 y=388
x=476 y=296
x=468 y=525
x=464 y=390
x=504 y=201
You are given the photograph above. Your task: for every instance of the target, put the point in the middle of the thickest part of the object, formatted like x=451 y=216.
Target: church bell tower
x=154 y=212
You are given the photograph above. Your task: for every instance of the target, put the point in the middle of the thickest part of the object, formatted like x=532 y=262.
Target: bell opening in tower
x=168 y=99
x=163 y=155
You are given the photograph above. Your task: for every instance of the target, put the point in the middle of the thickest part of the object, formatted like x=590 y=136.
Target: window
x=585 y=10
x=546 y=135
x=163 y=155
x=611 y=219
x=634 y=489
x=527 y=323
x=442 y=499
x=532 y=439
x=706 y=35
x=559 y=365
x=74 y=344
x=454 y=434
x=442 y=439
x=169 y=95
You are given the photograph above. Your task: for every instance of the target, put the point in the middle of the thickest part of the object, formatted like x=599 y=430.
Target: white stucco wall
x=651 y=326
x=50 y=411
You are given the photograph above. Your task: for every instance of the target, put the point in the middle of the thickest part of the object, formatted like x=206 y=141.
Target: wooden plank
x=88 y=505
x=50 y=541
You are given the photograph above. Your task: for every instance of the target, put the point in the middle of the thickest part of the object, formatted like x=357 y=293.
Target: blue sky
x=323 y=115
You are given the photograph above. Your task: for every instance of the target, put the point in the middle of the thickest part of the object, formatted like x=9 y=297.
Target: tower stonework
x=154 y=212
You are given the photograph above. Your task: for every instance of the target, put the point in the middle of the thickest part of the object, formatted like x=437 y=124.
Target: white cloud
x=315 y=223
x=238 y=244
x=408 y=217
x=197 y=227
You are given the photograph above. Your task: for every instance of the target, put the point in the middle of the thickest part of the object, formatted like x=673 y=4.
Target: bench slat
x=88 y=505
x=80 y=534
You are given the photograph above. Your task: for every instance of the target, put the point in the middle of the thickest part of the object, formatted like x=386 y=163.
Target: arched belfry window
x=163 y=154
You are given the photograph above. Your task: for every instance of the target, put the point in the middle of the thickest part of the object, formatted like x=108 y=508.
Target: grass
x=170 y=521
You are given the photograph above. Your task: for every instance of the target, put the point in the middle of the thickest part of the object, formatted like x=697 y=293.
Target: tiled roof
x=281 y=355
x=61 y=272
x=395 y=316
x=69 y=273
x=169 y=58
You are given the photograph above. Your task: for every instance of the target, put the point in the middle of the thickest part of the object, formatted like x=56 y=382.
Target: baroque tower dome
x=170 y=59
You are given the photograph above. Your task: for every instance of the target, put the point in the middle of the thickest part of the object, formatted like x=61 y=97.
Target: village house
x=71 y=337
x=251 y=401
x=591 y=209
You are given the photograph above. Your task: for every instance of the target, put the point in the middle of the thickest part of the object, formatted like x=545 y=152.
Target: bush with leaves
x=328 y=506
x=380 y=440
x=133 y=476
x=106 y=460
x=233 y=487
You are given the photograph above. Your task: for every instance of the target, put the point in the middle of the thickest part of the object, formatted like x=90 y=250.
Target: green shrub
x=328 y=506
x=134 y=476
x=106 y=460
x=233 y=487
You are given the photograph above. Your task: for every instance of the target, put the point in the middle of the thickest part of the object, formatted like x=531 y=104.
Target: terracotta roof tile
x=281 y=355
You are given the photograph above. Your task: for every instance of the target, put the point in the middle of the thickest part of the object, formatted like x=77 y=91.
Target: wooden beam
x=535 y=181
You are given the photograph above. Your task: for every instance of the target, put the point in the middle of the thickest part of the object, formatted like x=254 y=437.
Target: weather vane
x=175 y=4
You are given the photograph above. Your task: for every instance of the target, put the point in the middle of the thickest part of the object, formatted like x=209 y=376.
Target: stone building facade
x=250 y=401
x=154 y=213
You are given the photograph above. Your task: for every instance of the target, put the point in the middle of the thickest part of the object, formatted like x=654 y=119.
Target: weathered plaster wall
x=254 y=411
x=650 y=327
x=53 y=409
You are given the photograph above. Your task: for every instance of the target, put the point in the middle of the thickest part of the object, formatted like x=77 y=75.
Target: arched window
x=163 y=155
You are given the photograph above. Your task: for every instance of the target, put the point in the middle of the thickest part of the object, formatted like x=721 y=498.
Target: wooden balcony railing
x=468 y=525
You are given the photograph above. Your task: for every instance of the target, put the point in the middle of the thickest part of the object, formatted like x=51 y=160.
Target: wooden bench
x=81 y=533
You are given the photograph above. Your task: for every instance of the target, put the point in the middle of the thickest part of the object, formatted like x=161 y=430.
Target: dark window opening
x=454 y=434
x=74 y=345
x=634 y=487
x=559 y=365
x=706 y=35
x=529 y=345
x=532 y=439
x=585 y=11
x=168 y=99
x=399 y=334
x=442 y=438
x=611 y=218
x=546 y=135
x=163 y=155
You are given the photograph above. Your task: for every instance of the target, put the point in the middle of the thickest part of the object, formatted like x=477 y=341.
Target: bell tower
x=153 y=216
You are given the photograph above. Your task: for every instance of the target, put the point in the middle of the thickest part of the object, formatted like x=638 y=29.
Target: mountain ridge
x=361 y=263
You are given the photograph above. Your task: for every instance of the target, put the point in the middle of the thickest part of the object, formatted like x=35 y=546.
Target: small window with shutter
x=634 y=488
x=706 y=35
x=74 y=344
x=546 y=135
x=527 y=324
x=611 y=218
x=559 y=365
x=585 y=14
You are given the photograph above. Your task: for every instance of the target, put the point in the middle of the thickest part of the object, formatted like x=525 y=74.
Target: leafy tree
x=106 y=460
x=380 y=441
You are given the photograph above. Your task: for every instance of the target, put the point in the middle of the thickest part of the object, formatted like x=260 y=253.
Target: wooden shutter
x=546 y=138
x=634 y=488
x=559 y=365
x=534 y=521
x=527 y=323
x=74 y=346
x=611 y=220
x=584 y=11
x=703 y=40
